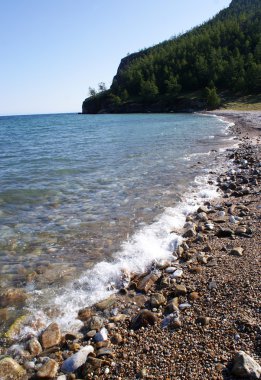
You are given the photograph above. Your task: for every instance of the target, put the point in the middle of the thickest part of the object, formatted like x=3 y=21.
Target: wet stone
x=12 y=296
x=51 y=336
x=95 y=323
x=146 y=283
x=106 y=304
x=190 y=233
x=34 y=347
x=48 y=370
x=85 y=313
x=95 y=362
x=11 y=370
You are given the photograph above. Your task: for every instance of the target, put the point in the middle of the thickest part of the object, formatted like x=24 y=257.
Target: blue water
x=73 y=188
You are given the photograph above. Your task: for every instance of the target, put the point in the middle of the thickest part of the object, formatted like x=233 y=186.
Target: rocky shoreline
x=194 y=317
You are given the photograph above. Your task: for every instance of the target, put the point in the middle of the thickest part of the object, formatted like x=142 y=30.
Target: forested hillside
x=222 y=54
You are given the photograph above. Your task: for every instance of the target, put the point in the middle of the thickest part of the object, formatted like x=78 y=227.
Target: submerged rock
x=11 y=370
x=12 y=296
x=15 y=327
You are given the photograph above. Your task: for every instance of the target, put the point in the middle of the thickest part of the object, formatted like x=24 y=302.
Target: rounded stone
x=10 y=370
x=48 y=370
x=51 y=336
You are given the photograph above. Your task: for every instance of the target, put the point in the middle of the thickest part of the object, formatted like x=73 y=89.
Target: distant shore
x=186 y=318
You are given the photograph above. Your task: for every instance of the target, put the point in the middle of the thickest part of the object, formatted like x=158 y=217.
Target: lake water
x=83 y=197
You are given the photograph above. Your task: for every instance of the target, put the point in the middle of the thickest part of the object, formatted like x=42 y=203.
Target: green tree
x=212 y=98
x=92 y=91
x=149 y=90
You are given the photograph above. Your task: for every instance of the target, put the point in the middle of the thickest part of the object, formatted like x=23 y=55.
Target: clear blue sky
x=53 y=50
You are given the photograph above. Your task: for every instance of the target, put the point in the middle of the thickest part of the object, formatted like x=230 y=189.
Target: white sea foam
x=150 y=243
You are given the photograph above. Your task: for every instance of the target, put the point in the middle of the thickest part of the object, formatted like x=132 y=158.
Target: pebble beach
x=196 y=316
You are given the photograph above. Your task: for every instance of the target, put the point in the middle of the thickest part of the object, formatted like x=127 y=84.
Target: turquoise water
x=74 y=188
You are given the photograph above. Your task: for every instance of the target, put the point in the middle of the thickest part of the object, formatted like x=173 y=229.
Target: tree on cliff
x=225 y=50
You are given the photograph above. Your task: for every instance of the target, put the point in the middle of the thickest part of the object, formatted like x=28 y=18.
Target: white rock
x=107 y=371
x=170 y=269
x=77 y=360
x=29 y=365
x=177 y=274
x=209 y=226
x=101 y=336
x=232 y=219
x=184 y=306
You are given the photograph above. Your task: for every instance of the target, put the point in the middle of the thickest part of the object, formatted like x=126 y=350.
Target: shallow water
x=77 y=190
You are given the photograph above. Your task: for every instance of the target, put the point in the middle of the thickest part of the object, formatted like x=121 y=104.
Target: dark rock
x=204 y=321
x=191 y=232
x=116 y=339
x=224 y=233
x=146 y=283
x=245 y=366
x=105 y=351
x=237 y=251
x=143 y=319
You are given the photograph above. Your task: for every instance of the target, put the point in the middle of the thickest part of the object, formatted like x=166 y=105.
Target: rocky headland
x=196 y=316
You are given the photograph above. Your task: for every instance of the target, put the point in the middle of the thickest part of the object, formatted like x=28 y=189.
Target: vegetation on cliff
x=222 y=54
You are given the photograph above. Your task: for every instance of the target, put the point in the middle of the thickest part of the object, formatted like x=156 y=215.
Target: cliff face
x=224 y=54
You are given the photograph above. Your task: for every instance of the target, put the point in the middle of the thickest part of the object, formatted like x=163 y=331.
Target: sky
x=52 y=51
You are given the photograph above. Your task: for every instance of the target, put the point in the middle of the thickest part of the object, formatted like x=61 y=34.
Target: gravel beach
x=194 y=317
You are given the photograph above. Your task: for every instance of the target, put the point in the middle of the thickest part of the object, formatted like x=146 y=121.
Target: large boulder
x=246 y=367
